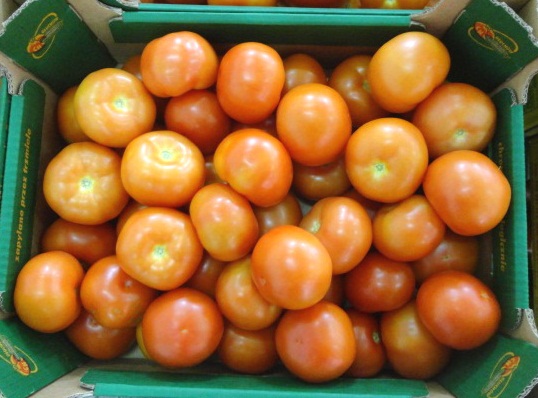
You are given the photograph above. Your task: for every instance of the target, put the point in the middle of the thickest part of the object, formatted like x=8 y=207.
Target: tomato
x=286 y=212
x=132 y=207
x=302 y=68
x=313 y=123
x=318 y=182
x=412 y=351
x=468 y=191
x=316 y=343
x=290 y=267
x=468 y=118
x=256 y=165
x=248 y=351
x=68 y=126
x=211 y=175
x=88 y=243
x=224 y=221
x=206 y=275
x=46 y=295
x=343 y=227
x=82 y=184
x=198 y=116
x=112 y=107
x=97 y=341
x=407 y=230
x=162 y=168
x=395 y=4
x=455 y=252
x=406 y=69
x=370 y=355
x=349 y=79
x=268 y=125
x=335 y=294
x=370 y=206
x=379 y=284
x=458 y=309
x=386 y=159
x=114 y=298
x=177 y=62
x=250 y=79
x=140 y=341
x=240 y=301
x=182 y=328
x=158 y=246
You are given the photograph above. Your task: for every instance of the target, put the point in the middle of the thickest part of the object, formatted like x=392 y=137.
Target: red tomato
x=412 y=351
x=113 y=298
x=406 y=69
x=224 y=221
x=162 y=168
x=300 y=69
x=210 y=172
x=458 y=309
x=248 y=351
x=206 y=275
x=182 y=328
x=82 y=184
x=68 y=126
x=159 y=247
x=240 y=301
x=386 y=159
x=177 y=62
x=379 y=284
x=46 y=295
x=318 y=182
x=370 y=353
x=455 y=252
x=407 y=230
x=313 y=123
x=198 y=116
x=349 y=79
x=97 y=341
x=249 y=82
x=291 y=268
x=256 y=165
x=343 y=227
x=468 y=191
x=317 y=343
x=131 y=208
x=112 y=107
x=468 y=118
x=88 y=243
x=335 y=294
x=287 y=211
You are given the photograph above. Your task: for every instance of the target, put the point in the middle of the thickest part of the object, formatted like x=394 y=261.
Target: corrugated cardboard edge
x=94 y=13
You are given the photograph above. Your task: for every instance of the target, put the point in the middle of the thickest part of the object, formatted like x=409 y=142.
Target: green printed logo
x=492 y=39
x=21 y=362
x=501 y=375
x=43 y=37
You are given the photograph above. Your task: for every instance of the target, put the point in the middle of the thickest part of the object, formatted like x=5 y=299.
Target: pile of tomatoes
x=262 y=209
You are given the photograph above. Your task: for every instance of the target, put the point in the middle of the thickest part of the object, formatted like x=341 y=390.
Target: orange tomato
x=46 y=295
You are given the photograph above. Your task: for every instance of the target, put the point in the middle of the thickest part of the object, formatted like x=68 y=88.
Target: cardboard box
x=84 y=35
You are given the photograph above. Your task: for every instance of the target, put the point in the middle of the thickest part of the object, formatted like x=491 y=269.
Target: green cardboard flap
x=47 y=38
x=19 y=185
x=502 y=368
x=270 y=25
x=488 y=45
x=30 y=360
x=5 y=102
x=195 y=384
x=509 y=256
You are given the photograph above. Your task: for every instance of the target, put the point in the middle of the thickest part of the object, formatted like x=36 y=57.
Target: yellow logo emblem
x=44 y=35
x=492 y=39
x=501 y=375
x=17 y=358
